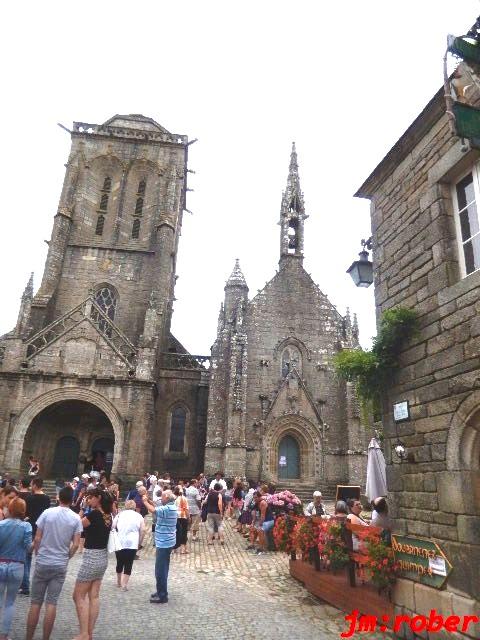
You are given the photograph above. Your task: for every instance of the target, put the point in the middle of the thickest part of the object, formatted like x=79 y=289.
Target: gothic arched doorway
x=65 y=458
x=288 y=458
x=66 y=436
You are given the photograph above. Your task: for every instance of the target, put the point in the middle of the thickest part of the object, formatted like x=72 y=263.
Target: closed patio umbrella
x=376 y=477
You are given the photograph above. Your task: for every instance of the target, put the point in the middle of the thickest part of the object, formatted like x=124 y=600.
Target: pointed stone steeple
x=23 y=322
x=236 y=279
x=292 y=214
x=236 y=291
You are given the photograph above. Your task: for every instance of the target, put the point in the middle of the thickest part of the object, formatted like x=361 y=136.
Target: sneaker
x=259 y=552
x=250 y=547
x=24 y=592
x=158 y=600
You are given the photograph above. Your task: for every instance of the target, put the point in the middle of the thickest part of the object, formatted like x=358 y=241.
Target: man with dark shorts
x=56 y=541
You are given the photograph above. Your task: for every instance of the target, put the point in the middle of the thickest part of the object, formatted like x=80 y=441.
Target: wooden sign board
x=421 y=560
x=347 y=491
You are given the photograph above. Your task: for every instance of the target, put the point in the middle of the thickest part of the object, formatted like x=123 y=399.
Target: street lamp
x=361 y=271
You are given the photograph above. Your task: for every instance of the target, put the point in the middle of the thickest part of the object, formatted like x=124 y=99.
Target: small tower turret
x=292 y=215
x=236 y=290
x=23 y=326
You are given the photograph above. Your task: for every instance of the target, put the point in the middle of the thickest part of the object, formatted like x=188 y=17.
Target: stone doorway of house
x=288 y=458
x=69 y=437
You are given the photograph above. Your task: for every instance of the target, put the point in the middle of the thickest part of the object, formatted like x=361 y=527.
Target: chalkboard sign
x=345 y=491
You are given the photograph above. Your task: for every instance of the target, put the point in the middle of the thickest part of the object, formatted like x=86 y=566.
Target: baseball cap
x=85 y=475
x=139 y=484
x=317 y=494
x=76 y=478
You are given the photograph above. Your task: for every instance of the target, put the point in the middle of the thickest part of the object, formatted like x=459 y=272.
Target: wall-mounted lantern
x=361 y=271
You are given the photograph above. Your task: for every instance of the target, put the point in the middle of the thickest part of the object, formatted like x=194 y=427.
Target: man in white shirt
x=56 y=541
x=218 y=478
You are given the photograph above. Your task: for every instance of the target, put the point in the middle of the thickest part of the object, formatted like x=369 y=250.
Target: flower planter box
x=336 y=590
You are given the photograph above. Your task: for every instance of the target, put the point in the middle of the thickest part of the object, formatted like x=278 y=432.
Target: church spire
x=23 y=322
x=292 y=214
x=237 y=279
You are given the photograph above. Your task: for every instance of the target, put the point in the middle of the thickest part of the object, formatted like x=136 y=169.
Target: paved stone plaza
x=215 y=593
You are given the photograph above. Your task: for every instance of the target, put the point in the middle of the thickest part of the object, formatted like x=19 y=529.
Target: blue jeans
x=11 y=574
x=25 y=586
x=162 y=565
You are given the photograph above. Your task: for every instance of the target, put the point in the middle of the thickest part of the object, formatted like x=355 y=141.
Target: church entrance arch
x=102 y=454
x=49 y=426
x=299 y=441
x=288 y=458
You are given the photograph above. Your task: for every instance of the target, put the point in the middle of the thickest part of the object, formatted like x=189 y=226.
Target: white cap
x=76 y=478
x=317 y=494
x=139 y=484
x=85 y=475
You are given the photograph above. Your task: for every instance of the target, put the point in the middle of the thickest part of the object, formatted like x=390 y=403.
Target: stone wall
x=436 y=493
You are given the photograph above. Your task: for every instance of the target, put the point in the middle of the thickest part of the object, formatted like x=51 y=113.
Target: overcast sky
x=342 y=79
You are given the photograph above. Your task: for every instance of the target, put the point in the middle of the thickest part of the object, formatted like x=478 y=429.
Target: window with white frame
x=466 y=197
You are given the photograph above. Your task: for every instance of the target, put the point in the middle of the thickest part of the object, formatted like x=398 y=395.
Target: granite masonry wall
x=436 y=493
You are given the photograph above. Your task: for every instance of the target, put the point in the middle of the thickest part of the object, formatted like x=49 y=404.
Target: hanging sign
x=421 y=560
x=283 y=461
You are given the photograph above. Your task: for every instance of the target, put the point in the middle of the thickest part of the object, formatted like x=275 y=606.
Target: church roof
x=134 y=121
x=236 y=279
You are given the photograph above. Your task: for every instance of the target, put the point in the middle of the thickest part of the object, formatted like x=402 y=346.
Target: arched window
x=100 y=225
x=136 y=229
x=291 y=357
x=139 y=207
x=141 y=187
x=177 y=429
x=106 y=299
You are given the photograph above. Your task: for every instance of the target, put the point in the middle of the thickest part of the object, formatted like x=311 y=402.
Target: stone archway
x=308 y=438
x=463 y=442
x=15 y=445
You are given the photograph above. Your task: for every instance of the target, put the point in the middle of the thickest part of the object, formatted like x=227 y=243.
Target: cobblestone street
x=215 y=592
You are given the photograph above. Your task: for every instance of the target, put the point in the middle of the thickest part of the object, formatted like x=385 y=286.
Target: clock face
x=400 y=411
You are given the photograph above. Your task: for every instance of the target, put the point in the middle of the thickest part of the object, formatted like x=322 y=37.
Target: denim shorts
x=267 y=525
x=47 y=583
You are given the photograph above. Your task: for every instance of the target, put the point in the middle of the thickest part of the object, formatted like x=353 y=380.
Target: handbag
x=114 y=540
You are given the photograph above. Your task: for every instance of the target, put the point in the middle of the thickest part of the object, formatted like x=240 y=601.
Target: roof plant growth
x=372 y=370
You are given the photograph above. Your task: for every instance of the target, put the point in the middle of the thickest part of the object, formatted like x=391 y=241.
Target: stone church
x=91 y=375
x=276 y=410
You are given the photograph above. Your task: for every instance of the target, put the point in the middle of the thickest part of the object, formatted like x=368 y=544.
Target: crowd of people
x=87 y=518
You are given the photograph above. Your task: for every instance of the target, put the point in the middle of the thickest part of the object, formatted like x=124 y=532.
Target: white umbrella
x=376 y=476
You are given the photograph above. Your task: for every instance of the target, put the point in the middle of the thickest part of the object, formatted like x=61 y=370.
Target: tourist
x=56 y=541
x=237 y=503
x=86 y=595
x=264 y=521
x=181 y=503
x=214 y=502
x=202 y=483
x=36 y=502
x=131 y=530
x=355 y=518
x=79 y=492
x=218 y=480
x=246 y=515
x=24 y=487
x=193 y=497
x=227 y=500
x=380 y=518
x=165 y=537
x=7 y=495
x=316 y=508
x=33 y=466
x=135 y=495
x=15 y=542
